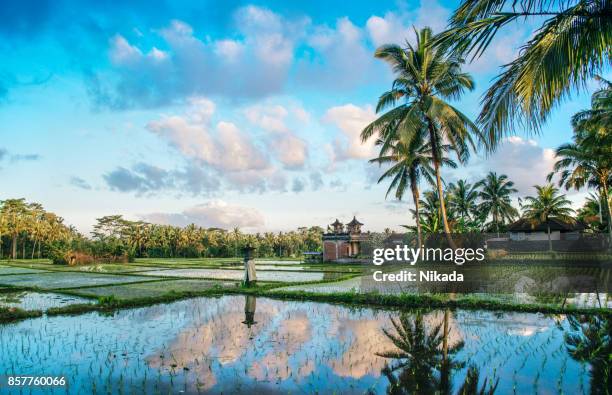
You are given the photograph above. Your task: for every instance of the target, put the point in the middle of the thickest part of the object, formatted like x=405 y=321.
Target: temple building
x=342 y=243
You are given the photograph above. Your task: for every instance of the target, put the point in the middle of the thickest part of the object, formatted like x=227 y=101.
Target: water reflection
x=590 y=340
x=237 y=344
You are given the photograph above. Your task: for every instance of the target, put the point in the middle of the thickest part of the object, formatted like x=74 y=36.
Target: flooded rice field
x=239 y=344
x=38 y=300
x=238 y=274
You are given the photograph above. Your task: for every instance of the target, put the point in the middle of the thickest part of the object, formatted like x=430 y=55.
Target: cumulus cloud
x=298 y=185
x=263 y=47
x=523 y=161
x=144 y=179
x=236 y=157
x=222 y=146
x=350 y=120
x=213 y=214
x=397 y=27
x=289 y=149
x=316 y=180
x=340 y=61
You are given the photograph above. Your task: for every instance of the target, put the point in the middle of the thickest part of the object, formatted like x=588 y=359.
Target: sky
x=225 y=114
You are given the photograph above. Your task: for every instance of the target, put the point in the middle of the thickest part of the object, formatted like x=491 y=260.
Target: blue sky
x=222 y=113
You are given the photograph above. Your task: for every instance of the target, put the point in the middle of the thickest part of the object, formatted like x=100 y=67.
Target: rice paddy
x=57 y=280
x=239 y=344
x=27 y=300
x=225 y=274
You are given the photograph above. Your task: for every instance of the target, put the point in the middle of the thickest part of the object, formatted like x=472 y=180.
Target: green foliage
x=570 y=46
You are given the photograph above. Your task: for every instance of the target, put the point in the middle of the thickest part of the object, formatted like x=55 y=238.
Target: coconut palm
x=582 y=164
x=597 y=119
x=16 y=214
x=425 y=78
x=430 y=215
x=570 y=47
x=462 y=200
x=419 y=356
x=589 y=339
x=546 y=205
x=410 y=160
x=495 y=199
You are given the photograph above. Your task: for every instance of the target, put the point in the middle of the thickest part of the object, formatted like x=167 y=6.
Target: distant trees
x=28 y=231
x=26 y=225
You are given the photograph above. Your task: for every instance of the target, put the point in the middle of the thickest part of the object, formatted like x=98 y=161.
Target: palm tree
x=15 y=211
x=598 y=118
x=571 y=46
x=426 y=76
x=419 y=355
x=463 y=196
x=410 y=160
x=547 y=205
x=581 y=164
x=588 y=160
x=495 y=199
x=589 y=339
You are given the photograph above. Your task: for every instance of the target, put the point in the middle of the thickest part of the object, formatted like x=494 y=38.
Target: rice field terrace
x=243 y=344
x=200 y=331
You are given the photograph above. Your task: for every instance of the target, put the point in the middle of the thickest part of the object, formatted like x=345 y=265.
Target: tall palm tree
x=16 y=213
x=410 y=160
x=581 y=164
x=589 y=339
x=546 y=205
x=463 y=196
x=419 y=356
x=570 y=47
x=495 y=199
x=598 y=118
x=425 y=77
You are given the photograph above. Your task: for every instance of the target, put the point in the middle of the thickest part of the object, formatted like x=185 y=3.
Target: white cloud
x=341 y=59
x=397 y=27
x=523 y=161
x=213 y=214
x=222 y=146
x=350 y=120
x=289 y=149
x=121 y=52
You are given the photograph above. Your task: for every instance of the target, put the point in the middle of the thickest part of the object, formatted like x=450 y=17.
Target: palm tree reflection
x=590 y=341
x=424 y=361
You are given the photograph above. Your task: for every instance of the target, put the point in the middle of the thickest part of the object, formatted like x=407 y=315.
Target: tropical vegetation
x=425 y=78
x=568 y=47
x=28 y=231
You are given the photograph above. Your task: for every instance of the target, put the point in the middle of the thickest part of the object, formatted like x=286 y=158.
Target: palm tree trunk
x=14 y=246
x=549 y=239
x=445 y=336
x=606 y=198
x=415 y=197
x=436 y=162
x=33 y=249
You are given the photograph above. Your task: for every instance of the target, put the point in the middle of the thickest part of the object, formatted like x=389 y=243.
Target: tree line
x=27 y=231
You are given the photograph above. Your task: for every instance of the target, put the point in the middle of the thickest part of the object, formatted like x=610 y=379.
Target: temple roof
x=337 y=223
x=354 y=222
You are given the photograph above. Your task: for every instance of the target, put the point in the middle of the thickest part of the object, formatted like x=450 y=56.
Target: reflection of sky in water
x=226 y=274
x=38 y=300
x=202 y=344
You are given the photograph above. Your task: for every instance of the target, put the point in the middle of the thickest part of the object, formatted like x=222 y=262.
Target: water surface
x=238 y=344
